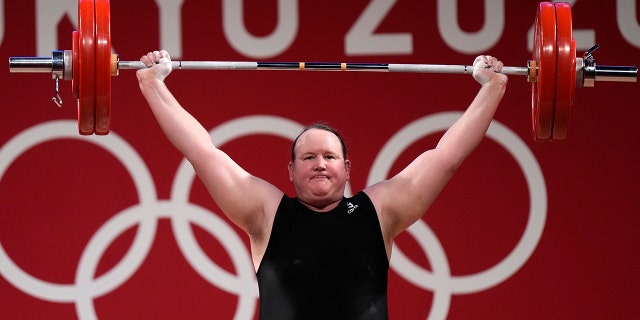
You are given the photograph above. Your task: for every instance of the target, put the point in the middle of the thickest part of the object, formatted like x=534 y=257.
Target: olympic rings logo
x=182 y=214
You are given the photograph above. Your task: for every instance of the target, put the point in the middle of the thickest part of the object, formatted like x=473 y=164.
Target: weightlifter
x=320 y=255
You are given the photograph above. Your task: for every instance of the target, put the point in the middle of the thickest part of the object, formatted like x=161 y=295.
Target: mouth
x=320 y=177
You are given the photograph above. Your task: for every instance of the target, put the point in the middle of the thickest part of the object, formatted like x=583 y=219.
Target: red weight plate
x=565 y=70
x=543 y=90
x=87 y=61
x=573 y=70
x=103 y=67
x=75 y=65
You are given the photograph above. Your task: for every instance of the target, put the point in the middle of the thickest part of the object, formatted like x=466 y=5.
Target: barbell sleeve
x=615 y=73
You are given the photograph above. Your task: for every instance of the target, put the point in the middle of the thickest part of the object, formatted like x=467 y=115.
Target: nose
x=320 y=164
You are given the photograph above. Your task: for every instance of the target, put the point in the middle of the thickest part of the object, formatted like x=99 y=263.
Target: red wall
x=111 y=227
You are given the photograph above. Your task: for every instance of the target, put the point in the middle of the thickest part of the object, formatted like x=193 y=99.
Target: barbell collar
x=589 y=72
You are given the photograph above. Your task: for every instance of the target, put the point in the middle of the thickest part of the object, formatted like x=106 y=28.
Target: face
x=319 y=171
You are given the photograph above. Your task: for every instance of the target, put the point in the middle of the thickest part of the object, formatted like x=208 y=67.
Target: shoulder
x=360 y=198
x=285 y=205
x=375 y=193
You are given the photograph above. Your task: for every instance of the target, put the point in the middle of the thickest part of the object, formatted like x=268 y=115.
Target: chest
x=340 y=244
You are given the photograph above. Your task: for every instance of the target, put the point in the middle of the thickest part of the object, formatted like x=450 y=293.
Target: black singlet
x=330 y=265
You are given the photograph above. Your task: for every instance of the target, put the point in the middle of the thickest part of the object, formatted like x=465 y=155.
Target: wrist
x=499 y=80
x=147 y=77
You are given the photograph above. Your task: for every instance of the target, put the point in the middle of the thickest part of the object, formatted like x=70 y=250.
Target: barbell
x=554 y=71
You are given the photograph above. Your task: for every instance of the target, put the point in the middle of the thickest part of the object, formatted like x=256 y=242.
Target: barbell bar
x=554 y=70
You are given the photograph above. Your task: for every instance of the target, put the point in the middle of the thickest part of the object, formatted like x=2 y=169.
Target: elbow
x=199 y=155
x=450 y=160
x=444 y=161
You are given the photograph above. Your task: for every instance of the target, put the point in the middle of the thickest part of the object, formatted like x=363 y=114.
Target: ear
x=347 y=169
x=290 y=168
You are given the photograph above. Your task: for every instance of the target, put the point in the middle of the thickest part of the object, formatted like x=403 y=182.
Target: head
x=319 y=168
x=320 y=126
